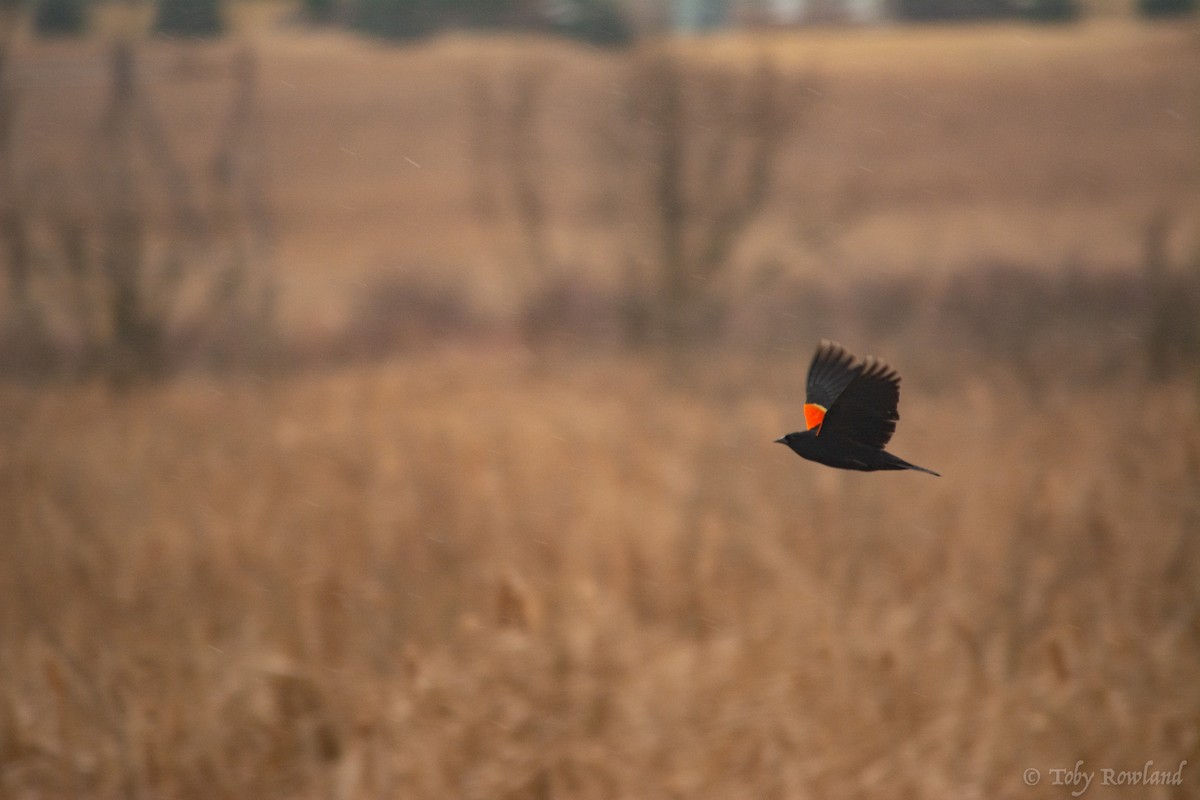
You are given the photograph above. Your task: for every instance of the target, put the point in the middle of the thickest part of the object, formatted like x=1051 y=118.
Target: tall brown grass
x=457 y=577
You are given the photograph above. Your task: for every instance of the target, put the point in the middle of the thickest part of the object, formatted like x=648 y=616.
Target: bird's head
x=789 y=439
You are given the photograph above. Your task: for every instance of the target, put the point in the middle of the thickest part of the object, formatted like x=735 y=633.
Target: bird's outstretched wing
x=866 y=410
x=831 y=371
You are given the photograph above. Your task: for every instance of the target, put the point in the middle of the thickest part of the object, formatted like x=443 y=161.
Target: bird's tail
x=900 y=463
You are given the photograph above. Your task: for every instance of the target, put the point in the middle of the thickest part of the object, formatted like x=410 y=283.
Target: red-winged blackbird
x=850 y=413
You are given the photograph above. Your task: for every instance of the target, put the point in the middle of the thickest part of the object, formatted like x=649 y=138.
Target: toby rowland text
x=1080 y=778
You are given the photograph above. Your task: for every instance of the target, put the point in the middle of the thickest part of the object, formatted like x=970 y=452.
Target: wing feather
x=831 y=371
x=867 y=409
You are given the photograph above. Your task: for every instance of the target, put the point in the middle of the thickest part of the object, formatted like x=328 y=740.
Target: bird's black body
x=851 y=413
x=844 y=453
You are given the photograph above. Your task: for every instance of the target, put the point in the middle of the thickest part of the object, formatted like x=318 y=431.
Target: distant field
x=926 y=151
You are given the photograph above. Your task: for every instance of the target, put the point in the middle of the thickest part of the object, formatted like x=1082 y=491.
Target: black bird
x=850 y=413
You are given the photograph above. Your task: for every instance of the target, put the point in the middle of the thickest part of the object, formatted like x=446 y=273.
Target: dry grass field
x=925 y=150
x=476 y=568
x=458 y=576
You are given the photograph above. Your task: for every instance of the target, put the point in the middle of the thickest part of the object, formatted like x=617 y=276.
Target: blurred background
x=388 y=388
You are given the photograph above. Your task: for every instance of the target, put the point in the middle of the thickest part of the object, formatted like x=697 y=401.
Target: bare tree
x=688 y=161
x=524 y=163
x=1172 y=329
x=14 y=219
x=241 y=216
x=703 y=147
x=122 y=258
x=506 y=154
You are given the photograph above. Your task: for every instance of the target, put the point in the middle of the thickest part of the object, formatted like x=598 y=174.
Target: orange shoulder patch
x=814 y=415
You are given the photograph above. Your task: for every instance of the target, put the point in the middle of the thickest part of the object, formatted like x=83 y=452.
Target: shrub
x=934 y=10
x=597 y=22
x=1052 y=10
x=189 y=18
x=397 y=19
x=1166 y=8
x=60 y=17
x=319 y=11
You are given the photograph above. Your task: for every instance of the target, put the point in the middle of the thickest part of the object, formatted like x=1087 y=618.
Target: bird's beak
x=781 y=440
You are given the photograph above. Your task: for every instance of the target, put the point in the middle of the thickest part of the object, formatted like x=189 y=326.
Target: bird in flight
x=850 y=413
